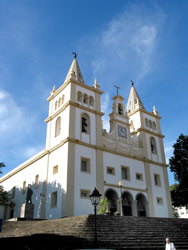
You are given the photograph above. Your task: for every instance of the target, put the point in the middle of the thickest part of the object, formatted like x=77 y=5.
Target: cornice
x=144 y=111
x=68 y=139
x=125 y=187
x=75 y=104
x=65 y=84
x=147 y=131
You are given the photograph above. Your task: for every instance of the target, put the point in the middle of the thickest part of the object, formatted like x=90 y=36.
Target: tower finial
x=75 y=54
x=132 y=82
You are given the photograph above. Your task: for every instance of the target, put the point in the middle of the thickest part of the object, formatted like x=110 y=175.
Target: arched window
x=85 y=99
x=85 y=123
x=55 y=105
x=120 y=109
x=154 y=125
x=150 y=123
x=153 y=145
x=146 y=122
x=59 y=102
x=62 y=99
x=79 y=96
x=58 y=126
x=91 y=101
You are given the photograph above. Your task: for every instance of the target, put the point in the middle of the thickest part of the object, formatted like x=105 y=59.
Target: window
x=79 y=96
x=125 y=173
x=54 y=199
x=36 y=181
x=85 y=165
x=150 y=123
x=153 y=145
x=62 y=99
x=24 y=187
x=139 y=177
x=84 y=194
x=157 y=180
x=85 y=100
x=55 y=169
x=58 y=126
x=91 y=101
x=85 y=124
x=146 y=122
x=13 y=192
x=159 y=201
x=55 y=105
x=120 y=109
x=154 y=125
x=110 y=170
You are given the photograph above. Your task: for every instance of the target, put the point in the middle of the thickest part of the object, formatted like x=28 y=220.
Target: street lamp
x=120 y=185
x=95 y=198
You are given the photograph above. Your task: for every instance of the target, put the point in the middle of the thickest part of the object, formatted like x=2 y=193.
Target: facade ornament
x=155 y=111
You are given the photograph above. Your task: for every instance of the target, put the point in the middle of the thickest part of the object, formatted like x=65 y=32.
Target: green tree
x=179 y=165
x=2 y=165
x=4 y=197
x=104 y=206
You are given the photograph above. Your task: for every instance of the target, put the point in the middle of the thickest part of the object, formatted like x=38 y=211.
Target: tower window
x=55 y=105
x=55 y=169
x=146 y=122
x=157 y=180
x=79 y=96
x=85 y=100
x=120 y=109
x=84 y=194
x=150 y=123
x=153 y=146
x=85 y=165
x=24 y=187
x=85 y=123
x=154 y=125
x=36 y=181
x=91 y=101
x=58 y=126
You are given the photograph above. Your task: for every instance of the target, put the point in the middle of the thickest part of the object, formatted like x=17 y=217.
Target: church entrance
x=141 y=205
x=127 y=201
x=113 y=198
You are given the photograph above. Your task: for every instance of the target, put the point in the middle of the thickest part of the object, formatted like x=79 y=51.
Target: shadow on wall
x=48 y=199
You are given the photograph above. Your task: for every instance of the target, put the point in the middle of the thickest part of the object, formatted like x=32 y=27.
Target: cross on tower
x=132 y=82
x=117 y=87
x=75 y=54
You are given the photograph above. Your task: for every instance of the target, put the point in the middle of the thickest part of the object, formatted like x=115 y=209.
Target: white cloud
x=128 y=44
x=14 y=120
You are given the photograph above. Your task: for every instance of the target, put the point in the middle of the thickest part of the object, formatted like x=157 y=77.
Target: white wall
x=160 y=210
x=84 y=181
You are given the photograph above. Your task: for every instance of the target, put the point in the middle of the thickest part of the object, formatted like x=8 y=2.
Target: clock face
x=122 y=132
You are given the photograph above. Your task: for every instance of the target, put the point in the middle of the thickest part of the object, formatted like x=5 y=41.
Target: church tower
x=146 y=126
x=74 y=128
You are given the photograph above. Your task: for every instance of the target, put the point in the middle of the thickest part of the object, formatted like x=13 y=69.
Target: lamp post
x=95 y=198
x=120 y=185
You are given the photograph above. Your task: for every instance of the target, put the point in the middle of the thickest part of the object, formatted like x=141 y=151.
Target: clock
x=122 y=132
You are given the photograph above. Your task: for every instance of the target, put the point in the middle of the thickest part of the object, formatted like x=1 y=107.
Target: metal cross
x=117 y=87
x=75 y=54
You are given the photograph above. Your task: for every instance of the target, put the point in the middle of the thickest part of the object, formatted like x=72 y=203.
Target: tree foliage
x=2 y=165
x=4 y=197
x=179 y=165
x=104 y=206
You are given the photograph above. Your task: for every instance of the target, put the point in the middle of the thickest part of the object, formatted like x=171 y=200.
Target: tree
x=4 y=196
x=179 y=165
x=2 y=165
x=104 y=206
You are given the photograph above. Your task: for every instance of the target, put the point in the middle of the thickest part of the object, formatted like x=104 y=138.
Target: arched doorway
x=113 y=198
x=141 y=205
x=127 y=202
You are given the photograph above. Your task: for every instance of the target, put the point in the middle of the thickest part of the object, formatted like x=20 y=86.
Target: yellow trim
x=139 y=158
x=147 y=131
x=144 y=111
x=77 y=105
x=125 y=187
x=65 y=84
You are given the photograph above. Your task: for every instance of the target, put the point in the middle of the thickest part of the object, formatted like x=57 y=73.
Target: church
x=127 y=164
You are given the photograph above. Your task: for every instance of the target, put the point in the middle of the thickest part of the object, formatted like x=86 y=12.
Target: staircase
x=115 y=232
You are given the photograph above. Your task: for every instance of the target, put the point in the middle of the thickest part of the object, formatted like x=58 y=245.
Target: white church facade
x=80 y=155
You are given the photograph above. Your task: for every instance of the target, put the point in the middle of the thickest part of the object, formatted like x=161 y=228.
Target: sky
x=116 y=41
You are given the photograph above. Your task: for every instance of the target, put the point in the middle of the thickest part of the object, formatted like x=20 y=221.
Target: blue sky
x=117 y=41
